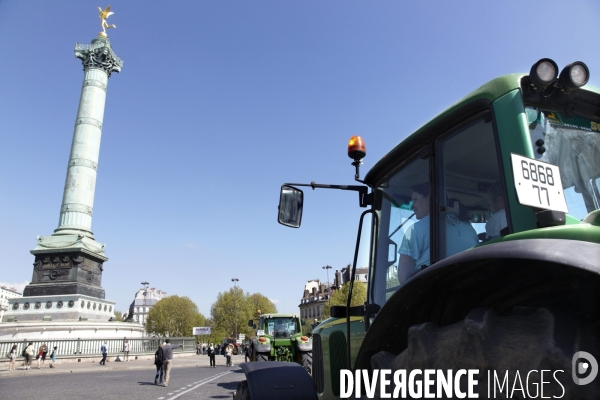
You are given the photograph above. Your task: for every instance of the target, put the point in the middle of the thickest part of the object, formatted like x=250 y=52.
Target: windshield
x=572 y=144
x=403 y=215
x=281 y=327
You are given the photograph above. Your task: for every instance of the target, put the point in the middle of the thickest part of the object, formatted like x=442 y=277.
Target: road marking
x=197 y=386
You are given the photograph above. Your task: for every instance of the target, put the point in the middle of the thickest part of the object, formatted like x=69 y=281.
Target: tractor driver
x=414 y=250
x=280 y=329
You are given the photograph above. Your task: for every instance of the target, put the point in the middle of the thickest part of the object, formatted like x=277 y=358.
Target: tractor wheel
x=242 y=392
x=307 y=361
x=529 y=339
x=235 y=351
x=261 y=357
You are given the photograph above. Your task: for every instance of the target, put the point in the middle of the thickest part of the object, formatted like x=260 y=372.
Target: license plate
x=538 y=184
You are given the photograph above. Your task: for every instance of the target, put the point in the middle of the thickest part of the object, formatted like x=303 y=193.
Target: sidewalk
x=179 y=360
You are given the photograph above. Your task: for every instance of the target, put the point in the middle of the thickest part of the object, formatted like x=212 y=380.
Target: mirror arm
x=364 y=197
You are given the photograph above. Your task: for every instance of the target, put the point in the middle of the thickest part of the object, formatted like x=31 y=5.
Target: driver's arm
x=406 y=267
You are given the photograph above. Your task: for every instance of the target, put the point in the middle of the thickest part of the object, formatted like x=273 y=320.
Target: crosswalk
x=178 y=392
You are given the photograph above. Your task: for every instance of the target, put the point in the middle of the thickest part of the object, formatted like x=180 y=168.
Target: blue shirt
x=104 y=349
x=416 y=242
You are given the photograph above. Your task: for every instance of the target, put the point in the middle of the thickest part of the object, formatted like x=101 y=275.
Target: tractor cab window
x=573 y=144
x=470 y=189
x=467 y=200
x=281 y=327
x=404 y=228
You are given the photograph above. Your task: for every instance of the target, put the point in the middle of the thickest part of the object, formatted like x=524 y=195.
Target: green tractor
x=482 y=230
x=279 y=338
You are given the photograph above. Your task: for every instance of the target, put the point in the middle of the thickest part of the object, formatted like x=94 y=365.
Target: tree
x=230 y=313
x=260 y=304
x=340 y=297
x=233 y=309
x=174 y=316
x=307 y=328
x=119 y=316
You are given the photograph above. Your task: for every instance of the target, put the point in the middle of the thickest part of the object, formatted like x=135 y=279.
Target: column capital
x=98 y=54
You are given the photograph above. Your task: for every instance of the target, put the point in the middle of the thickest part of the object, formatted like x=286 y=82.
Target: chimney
x=337 y=282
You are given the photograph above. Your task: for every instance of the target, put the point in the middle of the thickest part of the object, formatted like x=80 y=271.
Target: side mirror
x=250 y=323
x=291 y=201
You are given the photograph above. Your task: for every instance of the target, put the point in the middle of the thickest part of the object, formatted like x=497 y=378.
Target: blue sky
x=220 y=102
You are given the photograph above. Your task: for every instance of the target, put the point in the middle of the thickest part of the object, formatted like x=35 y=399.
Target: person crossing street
x=167 y=349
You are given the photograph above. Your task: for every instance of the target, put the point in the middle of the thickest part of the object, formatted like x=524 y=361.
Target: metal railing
x=91 y=347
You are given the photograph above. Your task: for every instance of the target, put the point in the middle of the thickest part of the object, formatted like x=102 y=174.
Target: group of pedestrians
x=28 y=353
x=200 y=348
x=104 y=351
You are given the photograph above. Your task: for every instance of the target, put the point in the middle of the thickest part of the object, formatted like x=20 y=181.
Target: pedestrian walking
x=28 y=354
x=247 y=354
x=203 y=348
x=167 y=350
x=211 y=355
x=126 y=349
x=198 y=348
x=41 y=357
x=228 y=356
x=158 y=361
x=12 y=356
x=104 y=350
x=53 y=357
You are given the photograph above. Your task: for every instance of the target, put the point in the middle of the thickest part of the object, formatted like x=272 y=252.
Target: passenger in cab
x=497 y=221
x=460 y=234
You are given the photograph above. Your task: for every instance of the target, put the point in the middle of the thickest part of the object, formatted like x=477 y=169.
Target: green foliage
x=174 y=316
x=340 y=297
x=236 y=306
x=259 y=302
x=119 y=316
x=307 y=328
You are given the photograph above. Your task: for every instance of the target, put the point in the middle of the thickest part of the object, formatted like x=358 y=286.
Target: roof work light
x=543 y=73
x=574 y=76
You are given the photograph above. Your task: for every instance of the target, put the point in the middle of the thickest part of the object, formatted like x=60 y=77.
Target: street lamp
x=235 y=280
x=327 y=268
x=144 y=301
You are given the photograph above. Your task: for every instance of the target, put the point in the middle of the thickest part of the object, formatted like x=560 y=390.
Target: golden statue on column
x=104 y=14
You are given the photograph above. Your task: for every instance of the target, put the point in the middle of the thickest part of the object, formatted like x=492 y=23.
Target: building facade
x=144 y=300
x=5 y=294
x=317 y=294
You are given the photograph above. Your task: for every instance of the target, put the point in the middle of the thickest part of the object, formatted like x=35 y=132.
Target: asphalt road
x=130 y=381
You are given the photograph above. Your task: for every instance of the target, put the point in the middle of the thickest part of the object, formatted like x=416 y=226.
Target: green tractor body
x=279 y=338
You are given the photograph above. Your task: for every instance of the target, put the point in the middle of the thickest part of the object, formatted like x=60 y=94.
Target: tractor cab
x=483 y=239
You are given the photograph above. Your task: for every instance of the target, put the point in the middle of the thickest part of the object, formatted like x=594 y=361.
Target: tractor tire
x=242 y=392
x=307 y=361
x=262 y=357
x=236 y=351
x=529 y=339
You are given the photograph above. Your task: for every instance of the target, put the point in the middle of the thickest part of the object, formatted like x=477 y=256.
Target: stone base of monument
x=64 y=307
x=64 y=317
x=47 y=330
